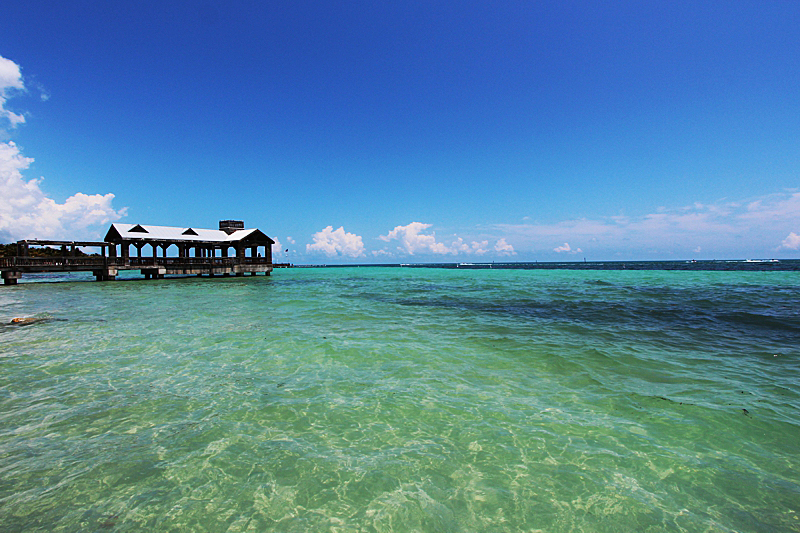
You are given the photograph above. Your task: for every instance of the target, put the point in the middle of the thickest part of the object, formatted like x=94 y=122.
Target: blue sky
x=410 y=131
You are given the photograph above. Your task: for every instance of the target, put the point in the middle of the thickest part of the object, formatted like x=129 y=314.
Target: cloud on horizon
x=277 y=247
x=503 y=248
x=713 y=228
x=725 y=227
x=411 y=238
x=566 y=248
x=333 y=243
x=26 y=211
x=791 y=242
x=413 y=241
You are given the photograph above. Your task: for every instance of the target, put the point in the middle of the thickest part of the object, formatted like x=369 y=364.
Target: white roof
x=179 y=234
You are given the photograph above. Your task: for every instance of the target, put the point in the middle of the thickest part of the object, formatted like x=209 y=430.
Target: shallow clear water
x=396 y=399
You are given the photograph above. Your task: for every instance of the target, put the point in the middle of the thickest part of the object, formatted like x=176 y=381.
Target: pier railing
x=180 y=262
x=131 y=262
x=12 y=262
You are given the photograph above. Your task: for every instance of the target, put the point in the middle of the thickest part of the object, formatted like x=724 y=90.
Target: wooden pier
x=199 y=252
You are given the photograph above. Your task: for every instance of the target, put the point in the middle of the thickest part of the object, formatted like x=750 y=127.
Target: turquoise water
x=396 y=399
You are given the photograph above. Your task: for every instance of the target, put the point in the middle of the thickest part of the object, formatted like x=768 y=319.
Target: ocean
x=396 y=399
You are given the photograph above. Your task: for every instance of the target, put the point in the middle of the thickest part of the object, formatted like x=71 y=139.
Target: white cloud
x=773 y=207
x=727 y=228
x=476 y=248
x=697 y=250
x=334 y=242
x=503 y=248
x=10 y=81
x=413 y=241
x=566 y=248
x=791 y=242
x=25 y=210
x=281 y=252
x=480 y=248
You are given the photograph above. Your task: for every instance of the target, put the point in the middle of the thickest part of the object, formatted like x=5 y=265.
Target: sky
x=409 y=132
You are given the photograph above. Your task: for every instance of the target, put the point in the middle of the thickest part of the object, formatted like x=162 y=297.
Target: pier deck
x=106 y=268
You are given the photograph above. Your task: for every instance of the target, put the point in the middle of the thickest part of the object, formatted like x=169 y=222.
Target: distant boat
x=762 y=261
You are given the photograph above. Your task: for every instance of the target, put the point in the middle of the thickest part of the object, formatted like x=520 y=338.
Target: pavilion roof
x=127 y=232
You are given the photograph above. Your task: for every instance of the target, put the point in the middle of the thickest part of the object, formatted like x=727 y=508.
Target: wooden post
x=10 y=278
